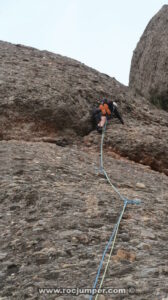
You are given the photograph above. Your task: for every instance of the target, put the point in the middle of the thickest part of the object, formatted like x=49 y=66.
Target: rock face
x=43 y=92
x=57 y=211
x=57 y=215
x=149 y=68
x=47 y=97
x=140 y=143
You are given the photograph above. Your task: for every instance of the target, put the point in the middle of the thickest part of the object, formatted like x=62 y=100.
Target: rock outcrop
x=149 y=68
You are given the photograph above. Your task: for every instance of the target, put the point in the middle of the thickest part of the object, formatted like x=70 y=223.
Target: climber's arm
x=117 y=114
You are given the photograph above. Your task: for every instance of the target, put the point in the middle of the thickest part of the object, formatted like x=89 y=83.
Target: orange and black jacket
x=107 y=109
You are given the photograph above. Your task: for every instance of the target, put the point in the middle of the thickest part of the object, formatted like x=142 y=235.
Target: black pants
x=96 y=117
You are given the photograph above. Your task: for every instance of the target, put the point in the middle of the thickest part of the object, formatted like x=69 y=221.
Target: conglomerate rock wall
x=57 y=215
x=149 y=68
x=47 y=92
x=48 y=97
x=57 y=211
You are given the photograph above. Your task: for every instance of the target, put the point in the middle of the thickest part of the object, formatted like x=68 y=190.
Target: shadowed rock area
x=57 y=211
x=149 y=68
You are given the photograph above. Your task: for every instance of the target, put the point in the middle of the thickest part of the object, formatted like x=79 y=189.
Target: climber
x=105 y=112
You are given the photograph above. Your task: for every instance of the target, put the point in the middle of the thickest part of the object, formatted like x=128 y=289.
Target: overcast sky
x=100 y=33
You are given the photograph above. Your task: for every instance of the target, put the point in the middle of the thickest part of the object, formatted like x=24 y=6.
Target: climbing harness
x=113 y=236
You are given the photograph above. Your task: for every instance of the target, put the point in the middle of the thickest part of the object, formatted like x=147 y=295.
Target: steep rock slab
x=56 y=216
x=41 y=92
x=149 y=67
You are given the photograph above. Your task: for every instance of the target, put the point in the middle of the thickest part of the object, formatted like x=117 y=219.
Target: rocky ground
x=57 y=215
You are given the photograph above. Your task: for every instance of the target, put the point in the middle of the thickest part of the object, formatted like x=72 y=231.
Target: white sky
x=100 y=33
